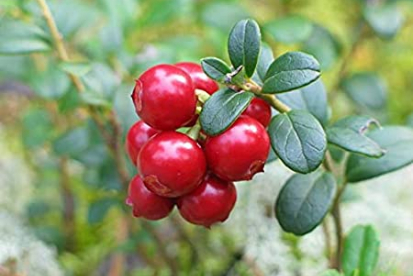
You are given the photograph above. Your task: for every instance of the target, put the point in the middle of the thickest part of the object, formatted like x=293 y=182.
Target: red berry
x=137 y=136
x=146 y=203
x=260 y=110
x=240 y=152
x=210 y=202
x=172 y=164
x=164 y=97
x=201 y=81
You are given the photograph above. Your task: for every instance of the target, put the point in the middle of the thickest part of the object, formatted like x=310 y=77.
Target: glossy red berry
x=210 y=202
x=201 y=81
x=147 y=204
x=137 y=136
x=260 y=110
x=164 y=97
x=172 y=164
x=240 y=152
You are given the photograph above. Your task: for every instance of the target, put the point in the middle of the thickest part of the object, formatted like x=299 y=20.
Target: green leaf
x=22 y=38
x=385 y=19
x=366 y=89
x=304 y=201
x=222 y=109
x=37 y=128
x=76 y=68
x=323 y=46
x=51 y=84
x=312 y=98
x=69 y=101
x=223 y=15
x=72 y=142
x=348 y=134
x=215 y=68
x=331 y=272
x=265 y=59
x=397 y=141
x=244 y=45
x=93 y=98
x=98 y=209
x=291 y=71
x=271 y=157
x=298 y=139
x=290 y=29
x=361 y=251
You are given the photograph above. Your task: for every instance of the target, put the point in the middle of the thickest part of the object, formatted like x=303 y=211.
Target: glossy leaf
x=361 y=251
x=22 y=38
x=222 y=109
x=291 y=71
x=215 y=68
x=304 y=201
x=349 y=134
x=366 y=89
x=244 y=45
x=323 y=45
x=312 y=98
x=384 y=19
x=397 y=141
x=298 y=139
x=290 y=29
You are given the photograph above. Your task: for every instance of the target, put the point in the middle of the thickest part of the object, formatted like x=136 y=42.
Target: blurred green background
x=62 y=208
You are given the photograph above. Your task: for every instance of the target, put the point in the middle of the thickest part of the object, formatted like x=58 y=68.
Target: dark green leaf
x=215 y=68
x=304 y=201
x=361 y=251
x=385 y=19
x=222 y=109
x=323 y=45
x=290 y=29
x=298 y=139
x=312 y=98
x=99 y=209
x=265 y=59
x=397 y=141
x=348 y=134
x=244 y=45
x=367 y=90
x=22 y=38
x=291 y=71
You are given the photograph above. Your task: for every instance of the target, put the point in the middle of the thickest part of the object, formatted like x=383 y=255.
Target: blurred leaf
x=244 y=45
x=304 y=201
x=397 y=141
x=222 y=109
x=223 y=15
x=265 y=59
x=51 y=84
x=111 y=37
x=331 y=272
x=101 y=81
x=291 y=71
x=72 y=142
x=361 y=251
x=271 y=156
x=37 y=208
x=18 y=37
x=312 y=98
x=290 y=29
x=298 y=139
x=385 y=19
x=98 y=209
x=69 y=101
x=215 y=68
x=366 y=89
x=124 y=106
x=37 y=128
x=159 y=11
x=75 y=68
x=122 y=11
x=323 y=46
x=93 y=98
x=349 y=134
x=50 y=235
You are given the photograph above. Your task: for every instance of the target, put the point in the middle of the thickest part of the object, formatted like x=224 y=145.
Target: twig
x=117 y=263
x=327 y=237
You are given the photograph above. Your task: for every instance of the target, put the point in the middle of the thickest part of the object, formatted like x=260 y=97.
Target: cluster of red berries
x=174 y=169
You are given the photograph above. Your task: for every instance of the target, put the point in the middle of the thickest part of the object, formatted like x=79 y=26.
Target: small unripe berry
x=172 y=164
x=164 y=97
x=137 y=136
x=209 y=203
x=147 y=204
x=240 y=152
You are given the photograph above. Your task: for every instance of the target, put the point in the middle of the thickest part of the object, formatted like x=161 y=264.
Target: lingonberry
x=240 y=152
x=146 y=203
x=137 y=136
x=201 y=81
x=164 y=97
x=260 y=110
x=211 y=202
x=172 y=164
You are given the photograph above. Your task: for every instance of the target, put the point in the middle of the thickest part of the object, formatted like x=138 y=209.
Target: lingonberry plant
x=230 y=141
